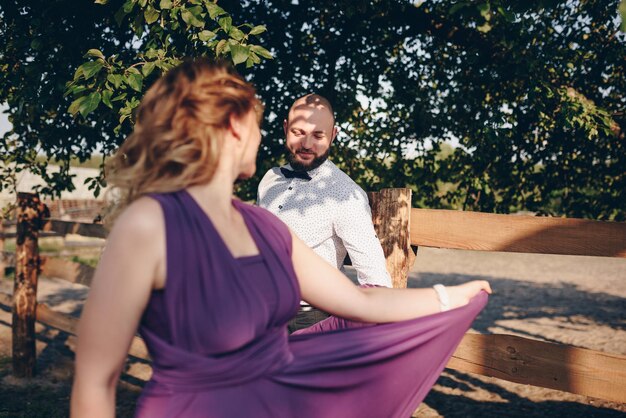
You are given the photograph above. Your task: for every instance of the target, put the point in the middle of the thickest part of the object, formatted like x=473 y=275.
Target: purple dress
x=218 y=338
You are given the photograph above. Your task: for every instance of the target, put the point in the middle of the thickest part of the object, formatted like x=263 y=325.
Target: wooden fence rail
x=516 y=359
x=517 y=233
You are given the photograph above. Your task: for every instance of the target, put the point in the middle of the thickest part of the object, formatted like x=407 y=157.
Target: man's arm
x=354 y=226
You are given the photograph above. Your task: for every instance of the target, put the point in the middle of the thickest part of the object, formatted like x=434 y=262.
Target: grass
x=94 y=162
x=47 y=395
x=87 y=261
x=46 y=401
x=4 y=361
x=55 y=247
x=34 y=401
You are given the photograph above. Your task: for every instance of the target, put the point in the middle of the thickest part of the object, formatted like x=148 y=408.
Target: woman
x=211 y=283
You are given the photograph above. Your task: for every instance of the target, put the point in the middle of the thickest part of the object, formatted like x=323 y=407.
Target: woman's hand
x=460 y=295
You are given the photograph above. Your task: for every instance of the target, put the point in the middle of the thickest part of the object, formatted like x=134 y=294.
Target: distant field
x=94 y=162
x=28 y=182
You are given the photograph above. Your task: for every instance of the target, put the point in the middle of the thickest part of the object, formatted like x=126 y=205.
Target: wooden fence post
x=391 y=214
x=2 y=262
x=30 y=214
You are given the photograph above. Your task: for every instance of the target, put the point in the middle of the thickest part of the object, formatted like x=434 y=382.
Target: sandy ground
x=572 y=300
x=579 y=301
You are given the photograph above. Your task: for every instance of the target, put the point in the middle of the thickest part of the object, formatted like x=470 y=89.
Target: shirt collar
x=316 y=171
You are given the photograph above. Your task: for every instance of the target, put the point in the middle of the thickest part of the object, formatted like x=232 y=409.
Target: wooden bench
x=401 y=229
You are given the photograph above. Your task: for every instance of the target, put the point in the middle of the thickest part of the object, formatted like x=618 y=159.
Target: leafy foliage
x=74 y=75
x=532 y=93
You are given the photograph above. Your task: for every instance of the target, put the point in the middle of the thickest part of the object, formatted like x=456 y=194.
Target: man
x=319 y=202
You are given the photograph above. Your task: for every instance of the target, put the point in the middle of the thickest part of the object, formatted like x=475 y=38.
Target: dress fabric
x=221 y=349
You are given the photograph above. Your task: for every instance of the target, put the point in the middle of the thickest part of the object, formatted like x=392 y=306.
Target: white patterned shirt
x=331 y=214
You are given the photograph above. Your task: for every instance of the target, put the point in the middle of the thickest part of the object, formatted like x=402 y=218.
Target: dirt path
x=579 y=301
x=573 y=300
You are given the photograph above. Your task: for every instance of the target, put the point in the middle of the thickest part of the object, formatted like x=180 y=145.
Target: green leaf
x=101 y=1
x=119 y=97
x=78 y=73
x=257 y=30
x=214 y=10
x=456 y=7
x=187 y=16
x=197 y=11
x=137 y=25
x=257 y=49
x=206 y=35
x=115 y=79
x=190 y=19
x=75 y=90
x=165 y=4
x=226 y=23
x=94 y=53
x=484 y=28
x=198 y=23
x=90 y=103
x=35 y=44
x=91 y=68
x=147 y=68
x=142 y=3
x=239 y=53
x=119 y=16
x=151 y=15
x=73 y=109
x=236 y=34
x=128 y=6
x=220 y=47
x=510 y=17
x=483 y=8
x=255 y=58
x=106 y=98
x=135 y=81
x=151 y=53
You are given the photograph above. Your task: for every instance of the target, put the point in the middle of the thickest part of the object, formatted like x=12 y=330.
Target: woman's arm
x=326 y=288
x=132 y=264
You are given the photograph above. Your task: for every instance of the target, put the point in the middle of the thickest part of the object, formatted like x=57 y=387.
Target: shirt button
x=280 y=206
x=290 y=188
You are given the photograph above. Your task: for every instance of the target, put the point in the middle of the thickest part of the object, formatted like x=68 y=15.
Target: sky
x=5 y=125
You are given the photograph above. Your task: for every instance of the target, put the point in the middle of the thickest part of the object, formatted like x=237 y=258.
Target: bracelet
x=442 y=295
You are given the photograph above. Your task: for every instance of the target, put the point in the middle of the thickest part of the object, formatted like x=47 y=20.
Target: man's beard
x=300 y=166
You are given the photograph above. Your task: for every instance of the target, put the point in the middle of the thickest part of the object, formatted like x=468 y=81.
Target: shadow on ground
x=524 y=300
x=509 y=405
x=48 y=395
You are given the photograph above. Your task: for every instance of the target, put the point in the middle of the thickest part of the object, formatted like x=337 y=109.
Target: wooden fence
x=401 y=229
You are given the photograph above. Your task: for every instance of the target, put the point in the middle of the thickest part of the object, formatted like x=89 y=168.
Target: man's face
x=309 y=131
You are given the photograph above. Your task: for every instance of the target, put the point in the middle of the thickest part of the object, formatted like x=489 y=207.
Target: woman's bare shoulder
x=142 y=218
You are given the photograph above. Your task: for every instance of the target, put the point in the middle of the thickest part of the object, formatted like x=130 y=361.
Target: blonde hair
x=178 y=131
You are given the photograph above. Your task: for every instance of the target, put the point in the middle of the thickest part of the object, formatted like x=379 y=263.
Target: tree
x=533 y=92
x=73 y=72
